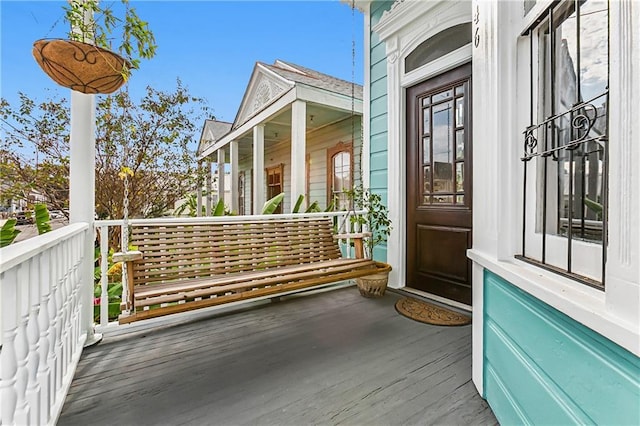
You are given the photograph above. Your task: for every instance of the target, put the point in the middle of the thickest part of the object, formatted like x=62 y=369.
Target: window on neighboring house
x=274 y=183
x=241 y=194
x=565 y=145
x=339 y=175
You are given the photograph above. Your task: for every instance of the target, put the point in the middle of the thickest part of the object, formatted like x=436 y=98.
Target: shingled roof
x=212 y=131
x=303 y=75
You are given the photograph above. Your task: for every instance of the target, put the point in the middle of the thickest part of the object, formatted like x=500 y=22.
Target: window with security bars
x=565 y=148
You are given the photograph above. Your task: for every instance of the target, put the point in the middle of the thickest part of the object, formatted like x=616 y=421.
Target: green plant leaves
x=8 y=232
x=42 y=218
x=296 y=208
x=271 y=205
x=136 y=38
x=313 y=208
x=219 y=210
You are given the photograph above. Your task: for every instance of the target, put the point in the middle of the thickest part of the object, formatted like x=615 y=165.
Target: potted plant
x=377 y=223
x=85 y=62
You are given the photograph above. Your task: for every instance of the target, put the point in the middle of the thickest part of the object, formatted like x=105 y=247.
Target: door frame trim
x=397 y=86
x=400 y=34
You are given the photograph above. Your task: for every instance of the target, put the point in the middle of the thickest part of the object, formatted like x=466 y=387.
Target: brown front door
x=439 y=185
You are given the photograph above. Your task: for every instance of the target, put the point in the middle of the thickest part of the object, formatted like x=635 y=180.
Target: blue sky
x=211 y=46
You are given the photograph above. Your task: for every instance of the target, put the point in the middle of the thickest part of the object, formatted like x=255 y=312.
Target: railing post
x=82 y=195
x=104 y=278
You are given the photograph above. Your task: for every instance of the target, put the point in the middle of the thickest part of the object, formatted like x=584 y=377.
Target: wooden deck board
x=329 y=358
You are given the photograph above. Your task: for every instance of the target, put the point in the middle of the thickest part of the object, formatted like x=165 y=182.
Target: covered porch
x=297 y=131
x=327 y=357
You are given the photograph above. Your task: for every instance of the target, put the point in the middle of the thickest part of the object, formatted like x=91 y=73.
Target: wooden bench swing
x=184 y=266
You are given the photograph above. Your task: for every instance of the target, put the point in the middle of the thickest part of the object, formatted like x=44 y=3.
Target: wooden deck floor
x=328 y=358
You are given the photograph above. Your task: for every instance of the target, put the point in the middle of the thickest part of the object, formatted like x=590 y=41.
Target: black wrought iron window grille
x=569 y=89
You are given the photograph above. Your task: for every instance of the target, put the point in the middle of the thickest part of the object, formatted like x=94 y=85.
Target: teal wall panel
x=379 y=160
x=380 y=253
x=378 y=70
x=379 y=88
x=543 y=367
x=379 y=144
x=378 y=54
x=379 y=106
x=379 y=128
x=378 y=102
x=378 y=180
x=377 y=8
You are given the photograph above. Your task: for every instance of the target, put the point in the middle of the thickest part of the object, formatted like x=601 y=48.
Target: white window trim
x=586 y=257
x=615 y=312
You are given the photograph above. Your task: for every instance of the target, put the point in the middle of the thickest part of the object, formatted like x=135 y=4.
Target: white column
x=199 y=191
x=221 y=157
x=208 y=183
x=298 y=150
x=233 y=148
x=623 y=251
x=82 y=160
x=258 y=168
x=396 y=168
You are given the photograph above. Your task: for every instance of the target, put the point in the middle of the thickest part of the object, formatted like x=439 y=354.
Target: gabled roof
x=212 y=131
x=272 y=88
x=269 y=82
x=314 y=78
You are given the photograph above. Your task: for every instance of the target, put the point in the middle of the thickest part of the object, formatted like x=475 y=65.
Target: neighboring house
x=299 y=129
x=507 y=153
x=212 y=131
x=14 y=205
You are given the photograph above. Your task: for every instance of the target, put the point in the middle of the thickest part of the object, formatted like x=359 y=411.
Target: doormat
x=430 y=314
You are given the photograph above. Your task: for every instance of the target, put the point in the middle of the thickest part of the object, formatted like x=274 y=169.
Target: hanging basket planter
x=81 y=66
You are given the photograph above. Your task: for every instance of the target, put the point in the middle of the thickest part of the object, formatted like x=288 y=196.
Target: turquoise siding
x=542 y=367
x=378 y=117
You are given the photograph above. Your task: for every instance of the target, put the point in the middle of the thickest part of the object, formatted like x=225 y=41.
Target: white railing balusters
x=44 y=371
x=53 y=324
x=104 y=277
x=74 y=303
x=8 y=358
x=40 y=329
x=22 y=344
x=33 y=337
x=78 y=254
x=64 y=299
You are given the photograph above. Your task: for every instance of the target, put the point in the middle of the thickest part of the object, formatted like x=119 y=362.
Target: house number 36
x=476 y=21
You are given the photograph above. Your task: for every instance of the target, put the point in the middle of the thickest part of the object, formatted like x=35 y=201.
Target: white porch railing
x=42 y=335
x=103 y=228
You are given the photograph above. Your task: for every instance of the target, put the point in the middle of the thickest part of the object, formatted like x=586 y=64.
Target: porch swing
x=189 y=264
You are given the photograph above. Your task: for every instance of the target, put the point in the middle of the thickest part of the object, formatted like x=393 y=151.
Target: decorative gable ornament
x=263 y=94
x=265 y=90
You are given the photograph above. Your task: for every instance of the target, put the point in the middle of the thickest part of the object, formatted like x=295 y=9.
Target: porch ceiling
x=278 y=128
x=327 y=358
